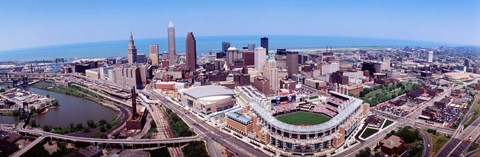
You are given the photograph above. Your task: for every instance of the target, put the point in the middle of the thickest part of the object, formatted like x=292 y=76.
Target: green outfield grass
x=303 y=118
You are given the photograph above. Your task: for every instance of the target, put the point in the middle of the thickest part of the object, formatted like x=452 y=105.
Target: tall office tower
x=292 y=63
x=191 y=51
x=430 y=57
x=251 y=47
x=132 y=51
x=260 y=57
x=141 y=58
x=154 y=54
x=264 y=44
x=248 y=58
x=466 y=63
x=386 y=63
x=171 y=44
x=231 y=55
x=225 y=46
x=271 y=73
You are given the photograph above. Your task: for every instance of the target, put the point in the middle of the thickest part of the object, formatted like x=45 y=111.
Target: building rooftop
x=208 y=91
x=238 y=117
x=392 y=142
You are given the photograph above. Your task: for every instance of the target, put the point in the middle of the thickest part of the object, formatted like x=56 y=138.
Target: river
x=71 y=110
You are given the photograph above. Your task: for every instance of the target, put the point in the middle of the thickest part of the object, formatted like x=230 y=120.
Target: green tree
x=91 y=124
x=153 y=124
x=47 y=128
x=103 y=129
x=102 y=122
x=108 y=126
x=33 y=109
x=364 y=153
x=55 y=102
x=79 y=127
x=33 y=123
x=71 y=127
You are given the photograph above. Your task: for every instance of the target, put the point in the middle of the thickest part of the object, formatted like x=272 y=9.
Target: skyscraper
x=132 y=51
x=191 y=51
x=154 y=54
x=171 y=44
x=270 y=72
x=430 y=56
x=231 y=55
x=251 y=46
x=264 y=43
x=260 y=57
x=225 y=46
x=292 y=63
x=141 y=58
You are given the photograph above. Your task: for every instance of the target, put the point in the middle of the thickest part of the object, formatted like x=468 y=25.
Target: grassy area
x=369 y=132
x=473 y=147
x=300 y=118
x=195 y=149
x=9 y=113
x=387 y=123
x=179 y=127
x=382 y=93
x=437 y=141
x=160 y=152
x=73 y=90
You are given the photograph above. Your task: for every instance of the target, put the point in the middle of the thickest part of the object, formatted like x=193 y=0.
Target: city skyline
x=424 y=21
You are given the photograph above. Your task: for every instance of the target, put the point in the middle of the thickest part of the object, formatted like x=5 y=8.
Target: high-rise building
x=386 y=63
x=172 y=56
x=466 y=63
x=430 y=57
x=191 y=51
x=260 y=58
x=264 y=44
x=292 y=63
x=271 y=73
x=141 y=58
x=248 y=58
x=225 y=46
x=251 y=46
x=232 y=55
x=132 y=51
x=154 y=54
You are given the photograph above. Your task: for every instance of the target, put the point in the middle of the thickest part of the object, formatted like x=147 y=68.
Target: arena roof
x=208 y=91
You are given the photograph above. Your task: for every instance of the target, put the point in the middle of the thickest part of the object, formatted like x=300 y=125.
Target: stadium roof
x=336 y=120
x=208 y=91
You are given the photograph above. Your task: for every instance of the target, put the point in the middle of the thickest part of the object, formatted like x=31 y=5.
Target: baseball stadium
x=296 y=127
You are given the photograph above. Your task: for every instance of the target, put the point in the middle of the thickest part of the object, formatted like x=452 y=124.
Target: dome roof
x=232 y=49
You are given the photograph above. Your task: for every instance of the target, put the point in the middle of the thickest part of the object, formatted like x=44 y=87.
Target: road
x=111 y=141
x=206 y=131
x=426 y=143
x=28 y=147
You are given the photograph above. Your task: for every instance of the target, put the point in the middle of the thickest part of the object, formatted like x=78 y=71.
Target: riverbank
x=80 y=92
x=76 y=91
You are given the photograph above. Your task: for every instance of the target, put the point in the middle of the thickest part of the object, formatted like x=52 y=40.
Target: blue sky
x=32 y=23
